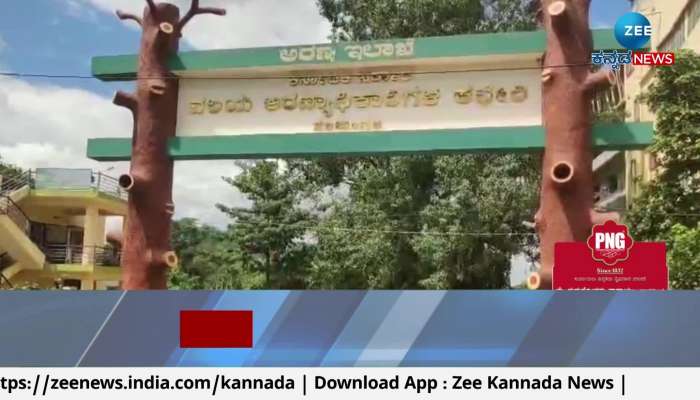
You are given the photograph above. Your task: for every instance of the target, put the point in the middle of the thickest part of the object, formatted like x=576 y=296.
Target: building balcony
x=62 y=179
x=88 y=256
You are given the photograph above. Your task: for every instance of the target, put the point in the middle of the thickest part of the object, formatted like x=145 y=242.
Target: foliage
x=209 y=259
x=384 y=19
x=684 y=258
x=270 y=234
x=616 y=115
x=509 y=15
x=353 y=251
x=673 y=196
x=477 y=221
x=188 y=237
x=9 y=171
x=181 y=280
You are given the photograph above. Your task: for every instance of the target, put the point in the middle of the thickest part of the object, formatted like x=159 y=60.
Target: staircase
x=5 y=261
x=15 y=225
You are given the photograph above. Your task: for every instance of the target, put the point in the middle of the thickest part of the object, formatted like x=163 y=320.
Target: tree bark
x=568 y=85
x=146 y=254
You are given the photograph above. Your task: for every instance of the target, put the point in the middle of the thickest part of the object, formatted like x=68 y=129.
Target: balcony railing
x=10 y=184
x=100 y=256
x=77 y=179
x=609 y=103
x=63 y=179
x=12 y=210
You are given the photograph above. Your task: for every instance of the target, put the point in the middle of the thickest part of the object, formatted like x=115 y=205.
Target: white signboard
x=359 y=103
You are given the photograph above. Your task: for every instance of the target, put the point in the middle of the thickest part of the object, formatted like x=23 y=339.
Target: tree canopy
x=668 y=208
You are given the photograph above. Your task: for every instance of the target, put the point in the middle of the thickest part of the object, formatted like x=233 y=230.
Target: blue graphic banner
x=358 y=328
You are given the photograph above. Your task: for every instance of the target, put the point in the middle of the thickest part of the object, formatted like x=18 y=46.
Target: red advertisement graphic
x=610 y=243
x=610 y=260
x=216 y=329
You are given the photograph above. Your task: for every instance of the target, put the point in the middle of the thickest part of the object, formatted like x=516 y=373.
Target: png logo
x=610 y=243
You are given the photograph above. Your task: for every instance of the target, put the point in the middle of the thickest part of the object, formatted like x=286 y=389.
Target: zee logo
x=633 y=31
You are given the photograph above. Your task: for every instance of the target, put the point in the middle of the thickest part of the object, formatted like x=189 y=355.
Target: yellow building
x=52 y=230
x=620 y=175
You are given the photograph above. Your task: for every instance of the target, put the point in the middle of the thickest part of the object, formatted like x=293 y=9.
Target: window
x=682 y=28
x=675 y=39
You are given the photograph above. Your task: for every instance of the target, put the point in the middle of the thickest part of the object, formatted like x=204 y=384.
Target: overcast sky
x=46 y=123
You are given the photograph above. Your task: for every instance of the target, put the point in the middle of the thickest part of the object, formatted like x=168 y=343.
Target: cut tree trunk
x=568 y=85
x=146 y=253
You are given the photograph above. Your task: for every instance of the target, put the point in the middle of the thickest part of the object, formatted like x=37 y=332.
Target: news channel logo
x=633 y=32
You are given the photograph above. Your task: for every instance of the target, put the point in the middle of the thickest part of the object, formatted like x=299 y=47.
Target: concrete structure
x=674 y=26
x=52 y=229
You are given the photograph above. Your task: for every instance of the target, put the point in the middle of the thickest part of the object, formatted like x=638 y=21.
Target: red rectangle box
x=216 y=329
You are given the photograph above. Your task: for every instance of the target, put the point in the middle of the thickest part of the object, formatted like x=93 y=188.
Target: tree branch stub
x=599 y=80
x=170 y=208
x=534 y=281
x=195 y=9
x=126 y=182
x=170 y=259
x=166 y=28
x=126 y=100
x=124 y=16
x=562 y=173
x=547 y=75
x=557 y=12
x=152 y=6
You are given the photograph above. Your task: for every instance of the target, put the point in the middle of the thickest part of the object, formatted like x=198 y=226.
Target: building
x=620 y=175
x=52 y=230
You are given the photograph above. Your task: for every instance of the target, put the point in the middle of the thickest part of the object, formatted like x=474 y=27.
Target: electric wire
x=118 y=77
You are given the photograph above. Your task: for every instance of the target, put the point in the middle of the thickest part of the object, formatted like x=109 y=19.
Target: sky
x=46 y=122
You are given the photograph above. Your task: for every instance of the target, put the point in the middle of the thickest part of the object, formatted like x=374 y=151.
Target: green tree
x=684 y=258
x=181 y=280
x=270 y=234
x=354 y=251
x=188 y=235
x=189 y=238
x=209 y=259
x=476 y=221
x=382 y=231
x=225 y=266
x=673 y=196
x=384 y=19
x=8 y=172
x=668 y=207
x=509 y=15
